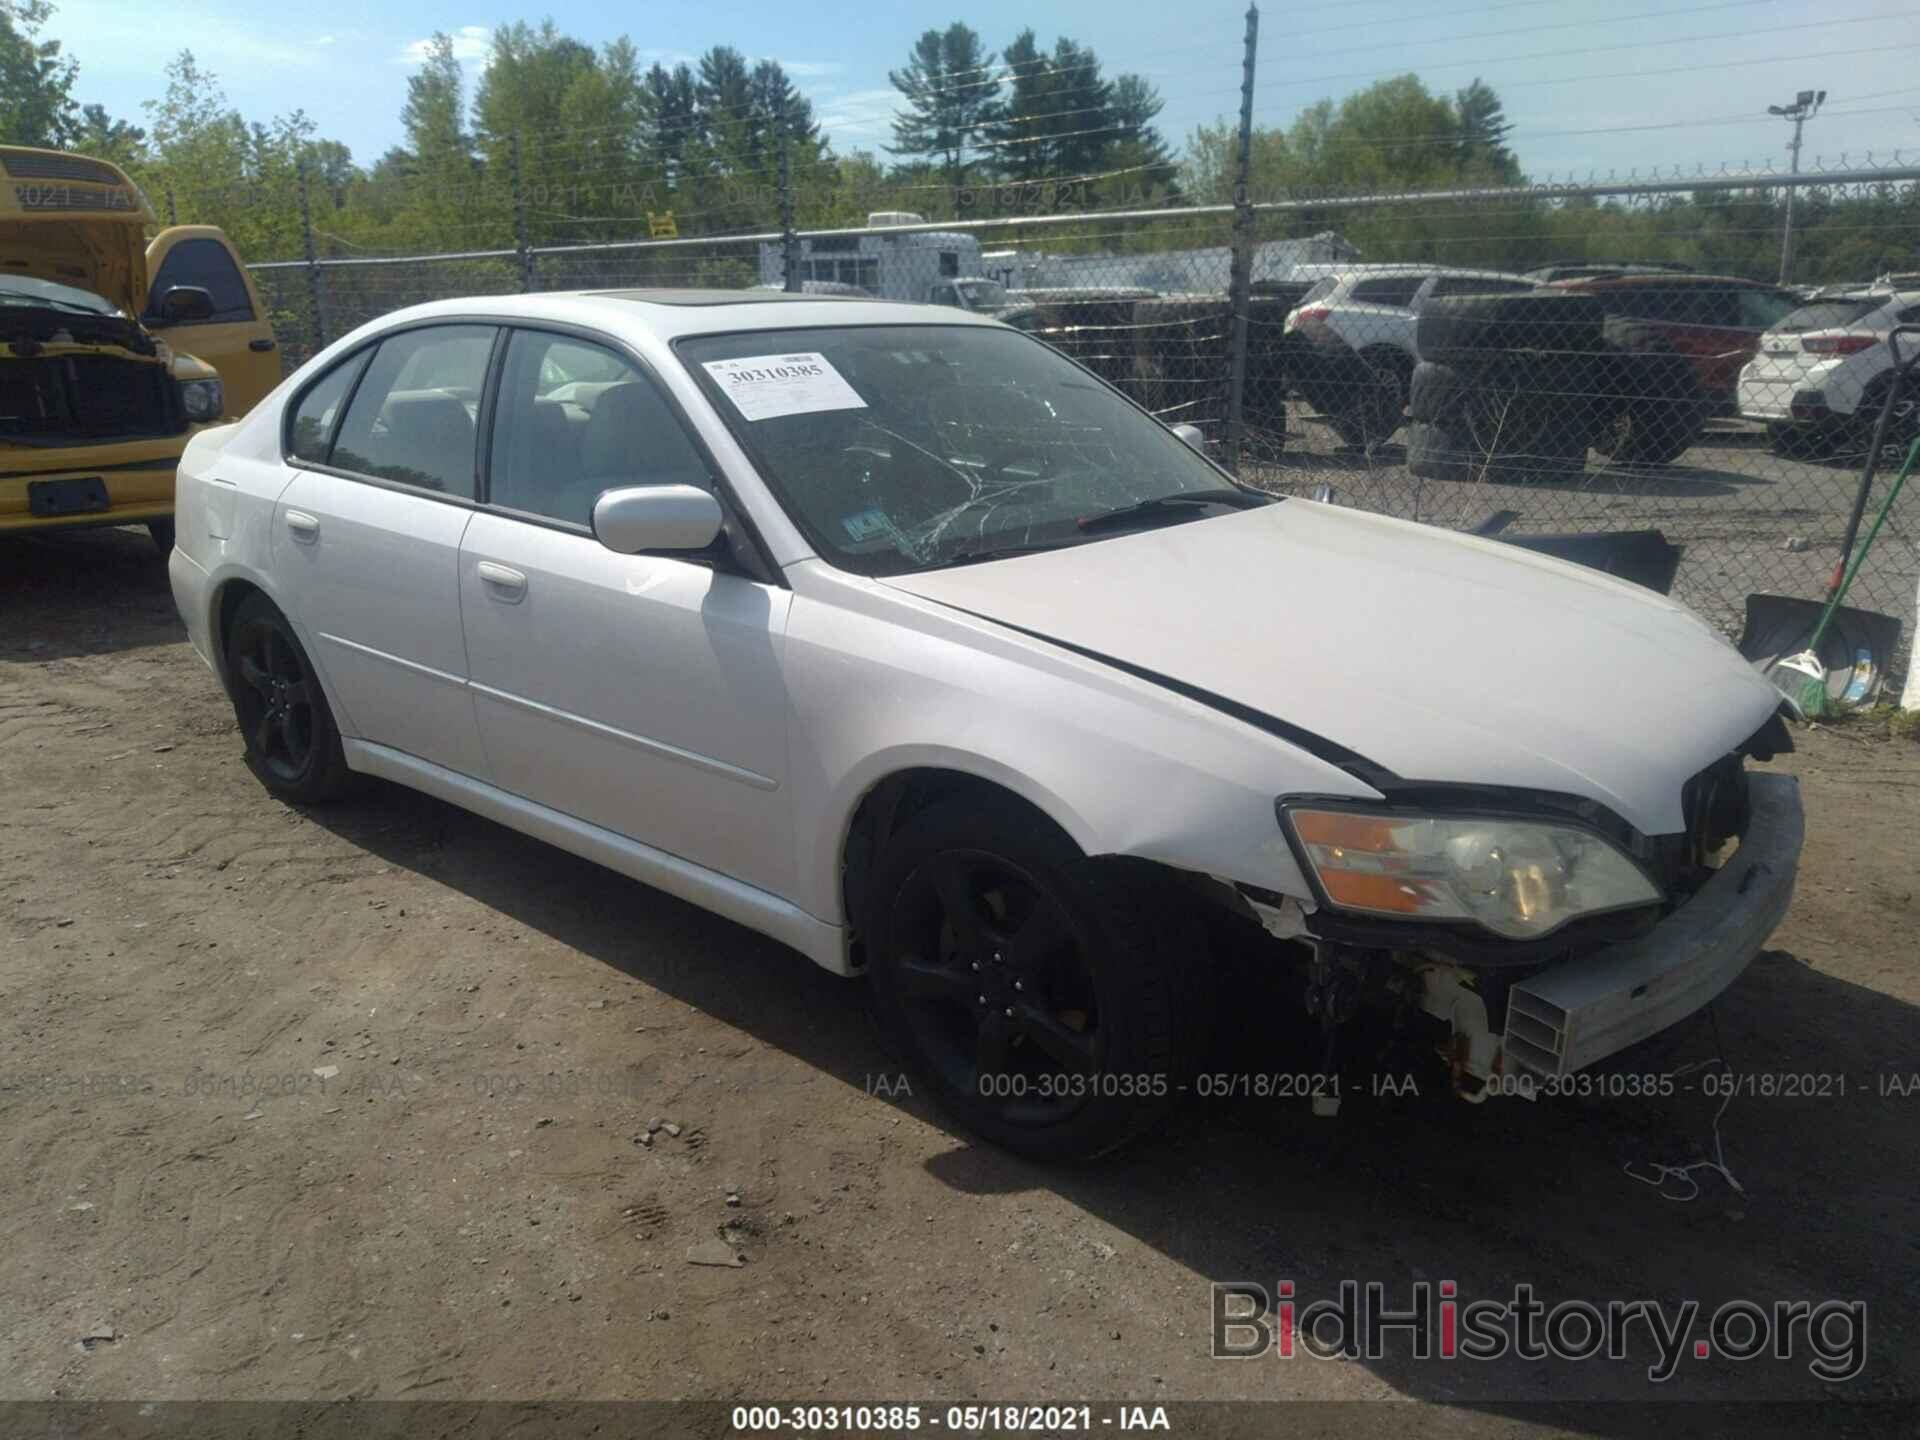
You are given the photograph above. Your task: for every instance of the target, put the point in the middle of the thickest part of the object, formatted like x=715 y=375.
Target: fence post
x=1242 y=273
x=315 y=315
x=525 y=251
x=789 y=242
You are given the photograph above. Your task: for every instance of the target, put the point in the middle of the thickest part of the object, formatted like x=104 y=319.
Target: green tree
x=101 y=136
x=950 y=92
x=36 y=79
x=1484 y=128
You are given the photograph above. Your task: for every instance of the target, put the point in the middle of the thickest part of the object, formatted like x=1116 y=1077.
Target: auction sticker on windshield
x=763 y=387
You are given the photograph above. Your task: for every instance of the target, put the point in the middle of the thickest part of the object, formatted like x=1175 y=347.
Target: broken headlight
x=202 y=399
x=1518 y=878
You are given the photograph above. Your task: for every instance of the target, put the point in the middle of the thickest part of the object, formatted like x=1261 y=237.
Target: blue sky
x=1607 y=85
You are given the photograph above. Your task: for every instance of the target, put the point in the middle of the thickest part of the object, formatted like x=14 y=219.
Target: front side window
x=574 y=419
x=209 y=265
x=310 y=437
x=902 y=448
x=412 y=418
x=1475 y=285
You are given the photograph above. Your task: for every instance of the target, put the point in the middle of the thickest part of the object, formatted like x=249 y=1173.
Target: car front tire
x=1053 y=1004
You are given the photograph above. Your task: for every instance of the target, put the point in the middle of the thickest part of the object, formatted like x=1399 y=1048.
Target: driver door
x=236 y=339
x=640 y=693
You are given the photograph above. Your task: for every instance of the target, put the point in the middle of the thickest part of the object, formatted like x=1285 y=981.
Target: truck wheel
x=1649 y=432
x=1051 y=1003
x=162 y=533
x=293 y=745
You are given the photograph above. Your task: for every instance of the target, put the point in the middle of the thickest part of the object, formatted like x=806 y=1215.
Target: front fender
x=881 y=681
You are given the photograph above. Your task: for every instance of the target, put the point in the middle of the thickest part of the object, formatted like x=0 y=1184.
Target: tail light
x=1311 y=313
x=1838 y=344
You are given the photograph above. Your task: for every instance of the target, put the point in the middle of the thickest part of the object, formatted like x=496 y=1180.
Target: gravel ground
x=350 y=1103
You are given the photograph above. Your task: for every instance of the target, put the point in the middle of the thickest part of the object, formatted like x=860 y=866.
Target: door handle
x=503 y=580
x=305 y=527
x=262 y=344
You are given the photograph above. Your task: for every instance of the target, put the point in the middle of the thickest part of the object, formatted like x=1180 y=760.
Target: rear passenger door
x=640 y=693
x=236 y=339
x=366 y=536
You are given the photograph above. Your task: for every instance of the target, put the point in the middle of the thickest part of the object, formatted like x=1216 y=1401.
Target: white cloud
x=811 y=69
x=859 y=117
x=470 y=42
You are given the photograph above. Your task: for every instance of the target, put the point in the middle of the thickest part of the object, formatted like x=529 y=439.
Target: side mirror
x=182 y=305
x=656 y=517
x=1192 y=436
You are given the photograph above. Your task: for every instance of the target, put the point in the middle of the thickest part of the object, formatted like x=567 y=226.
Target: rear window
x=1829 y=314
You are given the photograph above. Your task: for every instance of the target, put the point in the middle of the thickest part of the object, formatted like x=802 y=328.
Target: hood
x=106 y=255
x=1439 y=656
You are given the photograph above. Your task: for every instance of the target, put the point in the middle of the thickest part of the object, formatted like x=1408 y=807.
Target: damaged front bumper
x=1575 y=1014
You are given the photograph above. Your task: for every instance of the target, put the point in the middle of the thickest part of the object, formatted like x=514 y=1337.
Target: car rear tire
x=1051 y=1003
x=293 y=745
x=1378 y=405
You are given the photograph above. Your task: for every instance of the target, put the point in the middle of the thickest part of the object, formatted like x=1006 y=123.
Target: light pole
x=1804 y=105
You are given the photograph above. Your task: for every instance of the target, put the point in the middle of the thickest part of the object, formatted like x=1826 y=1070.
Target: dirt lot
x=1748 y=519
x=345 y=1104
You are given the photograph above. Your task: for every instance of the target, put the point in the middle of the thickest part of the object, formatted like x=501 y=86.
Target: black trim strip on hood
x=1366 y=771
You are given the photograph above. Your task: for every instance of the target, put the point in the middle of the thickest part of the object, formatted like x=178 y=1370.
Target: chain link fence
x=1446 y=357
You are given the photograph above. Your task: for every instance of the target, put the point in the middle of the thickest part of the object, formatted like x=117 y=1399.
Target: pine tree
x=950 y=90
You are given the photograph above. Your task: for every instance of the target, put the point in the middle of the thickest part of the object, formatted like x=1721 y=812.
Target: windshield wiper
x=1169 y=506
x=978 y=554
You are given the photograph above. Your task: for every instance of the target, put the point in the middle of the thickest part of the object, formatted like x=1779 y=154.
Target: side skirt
x=824 y=944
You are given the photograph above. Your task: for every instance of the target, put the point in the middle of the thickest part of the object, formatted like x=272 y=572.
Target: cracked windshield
x=905 y=448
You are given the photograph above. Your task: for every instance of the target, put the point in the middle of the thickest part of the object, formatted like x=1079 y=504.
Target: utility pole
x=1239 y=275
x=1803 y=109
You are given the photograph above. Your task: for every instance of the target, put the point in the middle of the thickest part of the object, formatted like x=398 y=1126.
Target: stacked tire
x=1509 y=387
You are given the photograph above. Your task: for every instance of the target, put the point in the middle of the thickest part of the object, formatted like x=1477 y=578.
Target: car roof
x=1398 y=271
x=670 y=314
x=1659 y=280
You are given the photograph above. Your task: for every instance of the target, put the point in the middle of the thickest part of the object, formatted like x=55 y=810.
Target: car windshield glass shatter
x=899 y=448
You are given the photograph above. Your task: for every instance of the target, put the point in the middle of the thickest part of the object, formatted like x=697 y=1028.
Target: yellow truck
x=113 y=349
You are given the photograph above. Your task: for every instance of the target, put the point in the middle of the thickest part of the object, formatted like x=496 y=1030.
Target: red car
x=1714 y=321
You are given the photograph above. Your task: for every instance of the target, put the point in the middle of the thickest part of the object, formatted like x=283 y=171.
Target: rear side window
x=1389 y=290
x=575 y=419
x=209 y=265
x=310 y=436
x=412 y=418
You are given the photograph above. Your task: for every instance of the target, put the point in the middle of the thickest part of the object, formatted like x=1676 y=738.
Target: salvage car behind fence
x=1449 y=375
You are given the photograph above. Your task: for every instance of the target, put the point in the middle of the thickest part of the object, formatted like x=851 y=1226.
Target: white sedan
x=889 y=632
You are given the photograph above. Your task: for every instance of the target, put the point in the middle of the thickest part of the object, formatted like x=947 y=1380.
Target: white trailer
x=930 y=266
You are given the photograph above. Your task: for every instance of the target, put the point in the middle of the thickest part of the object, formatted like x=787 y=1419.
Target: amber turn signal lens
x=1347 y=832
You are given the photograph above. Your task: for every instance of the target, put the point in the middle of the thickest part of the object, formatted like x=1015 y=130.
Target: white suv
x=1369 y=314
x=1821 y=374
